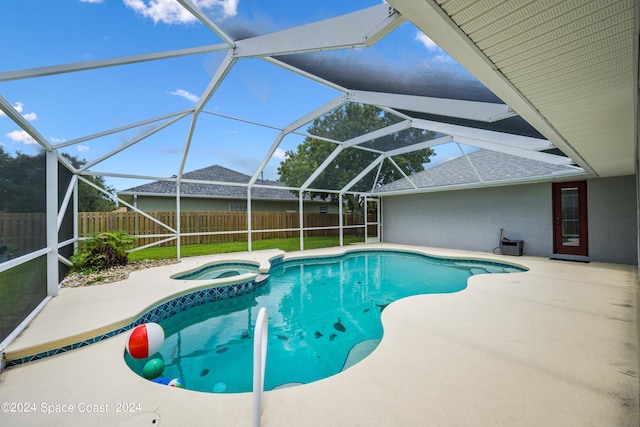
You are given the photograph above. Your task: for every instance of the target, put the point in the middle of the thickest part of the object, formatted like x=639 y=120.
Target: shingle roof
x=492 y=166
x=214 y=173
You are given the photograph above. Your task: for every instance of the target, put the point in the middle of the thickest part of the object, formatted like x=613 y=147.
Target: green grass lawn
x=287 y=245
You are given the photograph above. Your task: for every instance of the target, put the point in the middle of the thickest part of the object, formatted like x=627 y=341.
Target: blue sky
x=64 y=107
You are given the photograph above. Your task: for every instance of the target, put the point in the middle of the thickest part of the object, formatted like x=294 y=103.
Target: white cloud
x=279 y=154
x=56 y=140
x=91 y=1
x=186 y=95
x=19 y=106
x=21 y=136
x=426 y=41
x=82 y=148
x=172 y=12
x=439 y=54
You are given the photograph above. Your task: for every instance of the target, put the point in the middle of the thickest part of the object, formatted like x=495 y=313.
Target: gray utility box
x=511 y=247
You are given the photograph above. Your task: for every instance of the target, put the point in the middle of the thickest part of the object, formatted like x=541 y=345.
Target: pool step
x=360 y=351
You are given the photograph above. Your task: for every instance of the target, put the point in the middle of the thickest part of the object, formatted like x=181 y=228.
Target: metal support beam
x=249 y=224
x=363 y=173
x=432 y=20
x=65 y=202
x=223 y=69
x=14 y=115
x=103 y=63
x=120 y=129
x=419 y=146
x=52 y=222
x=522 y=142
x=178 y=222
x=329 y=106
x=132 y=142
x=206 y=21
x=470 y=110
x=301 y=218
x=357 y=29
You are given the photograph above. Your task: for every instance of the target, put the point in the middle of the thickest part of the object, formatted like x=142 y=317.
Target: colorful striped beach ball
x=145 y=340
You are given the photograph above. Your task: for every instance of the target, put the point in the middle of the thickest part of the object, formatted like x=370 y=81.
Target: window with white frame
x=237 y=207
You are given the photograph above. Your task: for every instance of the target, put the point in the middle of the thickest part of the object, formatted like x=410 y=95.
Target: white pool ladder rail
x=260 y=336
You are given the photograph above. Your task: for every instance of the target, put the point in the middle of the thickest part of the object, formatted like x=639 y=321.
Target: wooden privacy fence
x=21 y=233
x=209 y=222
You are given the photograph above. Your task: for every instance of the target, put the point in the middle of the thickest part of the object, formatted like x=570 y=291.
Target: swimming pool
x=324 y=316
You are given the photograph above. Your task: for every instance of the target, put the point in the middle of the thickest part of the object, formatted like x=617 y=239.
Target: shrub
x=102 y=250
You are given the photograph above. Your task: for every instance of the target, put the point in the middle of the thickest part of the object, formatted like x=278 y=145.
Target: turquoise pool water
x=324 y=316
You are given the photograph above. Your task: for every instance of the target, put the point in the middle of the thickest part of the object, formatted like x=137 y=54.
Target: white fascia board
x=577 y=173
x=470 y=110
x=516 y=151
x=206 y=21
x=103 y=63
x=357 y=29
x=14 y=115
x=525 y=142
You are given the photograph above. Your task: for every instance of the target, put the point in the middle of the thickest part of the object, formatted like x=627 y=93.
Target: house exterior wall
x=472 y=219
x=158 y=203
x=612 y=220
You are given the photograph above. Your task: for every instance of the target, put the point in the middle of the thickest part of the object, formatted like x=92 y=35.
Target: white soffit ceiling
x=568 y=68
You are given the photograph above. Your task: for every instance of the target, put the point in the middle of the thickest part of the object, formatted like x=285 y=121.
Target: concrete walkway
x=553 y=346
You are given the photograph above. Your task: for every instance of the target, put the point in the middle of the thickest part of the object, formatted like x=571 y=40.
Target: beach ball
x=145 y=340
x=175 y=383
x=153 y=369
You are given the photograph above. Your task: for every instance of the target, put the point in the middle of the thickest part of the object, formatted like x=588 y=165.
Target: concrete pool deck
x=553 y=346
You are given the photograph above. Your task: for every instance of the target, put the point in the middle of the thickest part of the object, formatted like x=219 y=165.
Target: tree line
x=23 y=185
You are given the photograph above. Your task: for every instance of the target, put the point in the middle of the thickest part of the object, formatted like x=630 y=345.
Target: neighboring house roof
x=491 y=166
x=218 y=174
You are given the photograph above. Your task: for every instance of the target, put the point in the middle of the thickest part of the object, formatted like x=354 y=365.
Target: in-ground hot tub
x=218 y=271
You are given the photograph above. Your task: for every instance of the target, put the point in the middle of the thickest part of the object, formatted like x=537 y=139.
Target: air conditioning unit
x=511 y=247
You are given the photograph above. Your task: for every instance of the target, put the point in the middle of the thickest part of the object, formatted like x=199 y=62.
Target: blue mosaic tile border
x=160 y=312
x=276 y=261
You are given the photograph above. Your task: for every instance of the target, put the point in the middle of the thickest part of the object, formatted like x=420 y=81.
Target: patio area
x=553 y=346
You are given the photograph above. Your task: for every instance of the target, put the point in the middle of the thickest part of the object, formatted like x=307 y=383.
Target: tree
x=22 y=182
x=342 y=124
x=89 y=198
x=23 y=185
